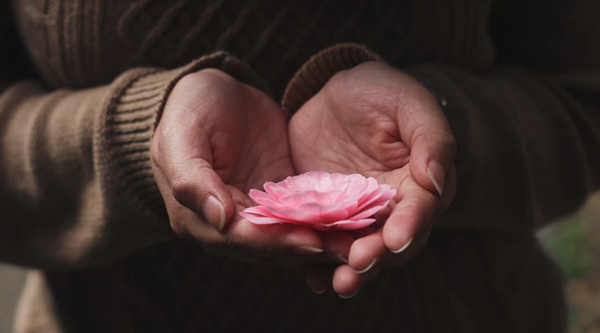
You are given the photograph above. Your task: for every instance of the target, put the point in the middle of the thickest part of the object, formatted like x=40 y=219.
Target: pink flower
x=320 y=200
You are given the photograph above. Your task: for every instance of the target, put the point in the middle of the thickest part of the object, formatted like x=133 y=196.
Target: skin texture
x=379 y=122
x=219 y=137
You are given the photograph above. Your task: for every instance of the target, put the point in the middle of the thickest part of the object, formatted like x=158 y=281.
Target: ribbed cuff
x=315 y=73
x=133 y=114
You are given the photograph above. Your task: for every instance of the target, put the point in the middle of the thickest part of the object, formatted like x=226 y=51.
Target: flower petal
x=264 y=199
x=344 y=225
x=262 y=219
x=324 y=198
x=292 y=215
x=339 y=180
x=322 y=213
x=325 y=185
x=316 y=175
x=276 y=191
x=370 y=210
x=382 y=193
x=356 y=186
x=320 y=200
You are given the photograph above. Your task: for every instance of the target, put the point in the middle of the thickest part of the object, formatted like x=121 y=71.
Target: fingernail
x=367 y=269
x=319 y=292
x=339 y=257
x=214 y=212
x=404 y=247
x=346 y=297
x=308 y=250
x=435 y=171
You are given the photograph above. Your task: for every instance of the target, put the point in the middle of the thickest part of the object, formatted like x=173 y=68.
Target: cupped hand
x=381 y=123
x=217 y=139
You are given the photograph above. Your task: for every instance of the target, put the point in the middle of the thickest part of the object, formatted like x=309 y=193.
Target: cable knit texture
x=315 y=73
x=77 y=197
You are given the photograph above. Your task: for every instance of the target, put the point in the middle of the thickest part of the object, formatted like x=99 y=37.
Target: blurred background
x=574 y=242
x=11 y=283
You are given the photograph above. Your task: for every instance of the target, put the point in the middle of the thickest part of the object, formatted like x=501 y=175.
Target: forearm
x=76 y=185
x=528 y=147
x=64 y=202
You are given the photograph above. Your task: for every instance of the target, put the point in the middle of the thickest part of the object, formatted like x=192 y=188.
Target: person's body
x=84 y=181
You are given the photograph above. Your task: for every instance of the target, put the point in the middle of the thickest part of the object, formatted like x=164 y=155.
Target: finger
x=198 y=187
x=337 y=245
x=450 y=189
x=415 y=211
x=382 y=215
x=346 y=282
x=272 y=239
x=366 y=252
x=183 y=153
x=318 y=277
x=425 y=129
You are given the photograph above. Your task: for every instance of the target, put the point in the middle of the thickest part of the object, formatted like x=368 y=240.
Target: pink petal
x=371 y=187
x=383 y=193
x=265 y=214
x=325 y=185
x=301 y=183
x=264 y=199
x=339 y=181
x=344 y=225
x=369 y=211
x=316 y=175
x=286 y=184
x=321 y=213
x=321 y=200
x=262 y=219
x=356 y=186
x=296 y=199
x=258 y=210
x=292 y=215
x=275 y=191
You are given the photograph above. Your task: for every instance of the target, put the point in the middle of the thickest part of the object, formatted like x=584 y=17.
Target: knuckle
x=182 y=188
x=434 y=202
x=233 y=240
x=209 y=82
x=449 y=143
x=211 y=77
x=179 y=228
x=428 y=202
x=154 y=153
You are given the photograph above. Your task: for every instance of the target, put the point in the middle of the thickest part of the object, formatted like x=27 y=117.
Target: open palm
x=381 y=123
x=217 y=139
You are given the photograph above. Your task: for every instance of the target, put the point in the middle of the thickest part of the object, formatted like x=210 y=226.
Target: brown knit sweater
x=519 y=82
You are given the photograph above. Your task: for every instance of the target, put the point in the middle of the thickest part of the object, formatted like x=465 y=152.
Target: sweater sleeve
x=528 y=138
x=76 y=185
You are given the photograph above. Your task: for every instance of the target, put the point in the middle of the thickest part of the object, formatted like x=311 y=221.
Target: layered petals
x=320 y=200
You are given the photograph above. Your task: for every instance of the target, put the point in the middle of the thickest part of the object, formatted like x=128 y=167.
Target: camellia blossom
x=320 y=200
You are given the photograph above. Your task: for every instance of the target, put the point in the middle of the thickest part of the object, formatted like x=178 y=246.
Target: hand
x=379 y=122
x=217 y=139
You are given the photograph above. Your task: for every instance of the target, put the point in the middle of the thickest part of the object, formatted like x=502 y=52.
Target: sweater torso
x=79 y=44
x=176 y=287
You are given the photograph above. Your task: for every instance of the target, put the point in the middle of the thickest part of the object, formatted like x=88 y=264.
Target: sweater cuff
x=131 y=117
x=315 y=73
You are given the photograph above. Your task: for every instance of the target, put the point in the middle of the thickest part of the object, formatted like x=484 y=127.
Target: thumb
x=181 y=150
x=432 y=157
x=425 y=128
x=199 y=188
